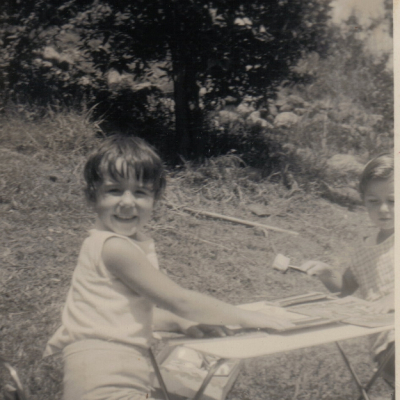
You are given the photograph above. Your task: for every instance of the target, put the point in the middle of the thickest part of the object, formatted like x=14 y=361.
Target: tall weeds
x=53 y=134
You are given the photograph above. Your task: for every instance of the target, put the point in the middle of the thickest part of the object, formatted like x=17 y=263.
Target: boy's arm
x=350 y=284
x=333 y=278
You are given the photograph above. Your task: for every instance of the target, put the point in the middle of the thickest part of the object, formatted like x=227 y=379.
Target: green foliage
x=69 y=50
x=340 y=104
x=349 y=101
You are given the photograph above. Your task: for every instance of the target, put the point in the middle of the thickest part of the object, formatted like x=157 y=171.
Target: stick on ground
x=237 y=220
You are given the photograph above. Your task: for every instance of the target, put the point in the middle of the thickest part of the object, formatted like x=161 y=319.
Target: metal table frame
x=220 y=347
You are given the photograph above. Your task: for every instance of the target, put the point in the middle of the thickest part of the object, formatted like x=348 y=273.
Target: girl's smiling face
x=123 y=206
x=379 y=200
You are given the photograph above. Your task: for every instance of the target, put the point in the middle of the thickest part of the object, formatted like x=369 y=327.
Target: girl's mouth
x=125 y=218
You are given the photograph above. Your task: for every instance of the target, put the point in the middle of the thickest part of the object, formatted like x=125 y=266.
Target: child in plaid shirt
x=371 y=268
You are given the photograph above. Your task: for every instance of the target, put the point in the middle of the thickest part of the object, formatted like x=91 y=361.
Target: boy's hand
x=317 y=268
x=331 y=277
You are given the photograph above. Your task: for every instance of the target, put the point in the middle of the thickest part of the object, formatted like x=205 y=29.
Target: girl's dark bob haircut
x=380 y=167
x=120 y=157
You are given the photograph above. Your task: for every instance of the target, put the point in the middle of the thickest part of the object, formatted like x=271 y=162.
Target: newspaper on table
x=314 y=309
x=349 y=309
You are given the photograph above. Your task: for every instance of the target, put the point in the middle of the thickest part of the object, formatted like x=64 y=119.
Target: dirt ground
x=44 y=220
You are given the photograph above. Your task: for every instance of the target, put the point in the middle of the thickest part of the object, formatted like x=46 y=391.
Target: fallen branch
x=238 y=221
x=198 y=238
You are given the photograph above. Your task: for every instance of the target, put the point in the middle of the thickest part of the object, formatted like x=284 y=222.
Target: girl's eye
x=113 y=191
x=141 y=193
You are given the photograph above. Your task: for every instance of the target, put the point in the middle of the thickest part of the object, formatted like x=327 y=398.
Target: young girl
x=108 y=317
x=371 y=267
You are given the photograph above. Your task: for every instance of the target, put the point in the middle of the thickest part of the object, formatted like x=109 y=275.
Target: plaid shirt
x=373 y=270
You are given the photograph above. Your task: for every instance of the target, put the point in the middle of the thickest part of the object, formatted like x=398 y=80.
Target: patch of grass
x=45 y=219
x=57 y=135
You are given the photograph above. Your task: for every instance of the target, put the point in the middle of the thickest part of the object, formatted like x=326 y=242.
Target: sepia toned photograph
x=197 y=199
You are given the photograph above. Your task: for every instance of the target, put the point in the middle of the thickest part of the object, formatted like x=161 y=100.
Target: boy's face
x=123 y=206
x=379 y=200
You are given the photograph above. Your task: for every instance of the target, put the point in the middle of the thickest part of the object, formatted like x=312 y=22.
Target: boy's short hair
x=380 y=167
x=138 y=157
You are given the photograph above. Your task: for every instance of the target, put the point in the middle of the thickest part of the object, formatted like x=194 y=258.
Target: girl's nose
x=127 y=198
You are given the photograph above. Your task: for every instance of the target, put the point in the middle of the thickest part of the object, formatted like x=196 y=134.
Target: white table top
x=261 y=343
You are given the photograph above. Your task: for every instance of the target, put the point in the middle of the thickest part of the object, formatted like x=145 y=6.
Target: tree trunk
x=189 y=140
x=186 y=91
x=182 y=137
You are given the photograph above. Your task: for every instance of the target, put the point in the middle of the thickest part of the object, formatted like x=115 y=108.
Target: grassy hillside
x=45 y=218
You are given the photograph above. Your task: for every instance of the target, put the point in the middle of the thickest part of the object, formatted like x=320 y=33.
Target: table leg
x=203 y=386
x=208 y=378
x=158 y=374
x=353 y=373
x=377 y=373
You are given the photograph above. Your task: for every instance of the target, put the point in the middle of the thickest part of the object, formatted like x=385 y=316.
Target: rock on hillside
x=345 y=196
x=255 y=119
x=286 y=119
x=244 y=110
x=227 y=117
x=344 y=164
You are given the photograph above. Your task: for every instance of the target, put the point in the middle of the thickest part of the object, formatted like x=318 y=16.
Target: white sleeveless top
x=101 y=306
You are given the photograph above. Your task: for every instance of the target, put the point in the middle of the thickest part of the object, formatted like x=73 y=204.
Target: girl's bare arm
x=131 y=266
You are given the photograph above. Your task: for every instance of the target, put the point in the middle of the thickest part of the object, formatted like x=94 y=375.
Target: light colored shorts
x=100 y=370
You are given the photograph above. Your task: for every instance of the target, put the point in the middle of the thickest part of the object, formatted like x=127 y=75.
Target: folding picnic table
x=258 y=344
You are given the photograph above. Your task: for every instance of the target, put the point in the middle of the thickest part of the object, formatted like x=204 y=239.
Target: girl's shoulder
x=97 y=238
x=142 y=244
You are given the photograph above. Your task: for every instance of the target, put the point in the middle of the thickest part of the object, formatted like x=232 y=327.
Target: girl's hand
x=164 y=320
x=384 y=305
x=202 y=330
